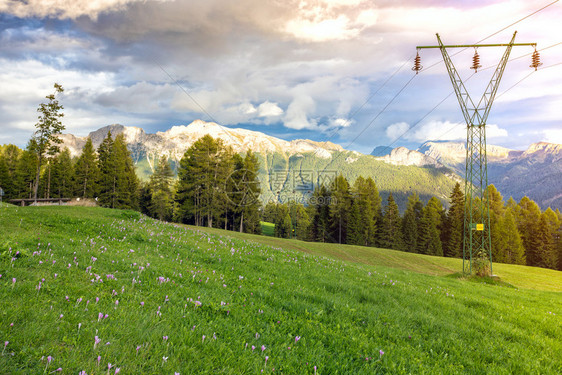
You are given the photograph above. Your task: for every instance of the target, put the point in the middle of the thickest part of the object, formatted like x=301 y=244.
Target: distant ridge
x=286 y=165
x=535 y=172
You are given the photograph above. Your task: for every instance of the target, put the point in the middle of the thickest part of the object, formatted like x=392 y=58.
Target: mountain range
x=535 y=172
x=290 y=169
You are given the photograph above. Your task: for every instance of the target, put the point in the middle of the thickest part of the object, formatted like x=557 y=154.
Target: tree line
x=215 y=186
x=354 y=214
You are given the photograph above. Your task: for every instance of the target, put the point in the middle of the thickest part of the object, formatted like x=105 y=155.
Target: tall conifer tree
x=62 y=175
x=357 y=228
x=528 y=219
x=202 y=177
x=429 y=240
x=10 y=156
x=87 y=172
x=340 y=204
x=391 y=226
x=26 y=172
x=411 y=222
x=118 y=183
x=161 y=193
x=454 y=224
x=320 y=227
x=513 y=251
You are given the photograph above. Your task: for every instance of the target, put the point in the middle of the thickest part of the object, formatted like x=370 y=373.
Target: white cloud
x=297 y=113
x=268 y=109
x=438 y=130
x=319 y=30
x=553 y=136
x=25 y=85
x=309 y=63
x=341 y=122
x=396 y=130
x=329 y=20
x=64 y=8
x=367 y=18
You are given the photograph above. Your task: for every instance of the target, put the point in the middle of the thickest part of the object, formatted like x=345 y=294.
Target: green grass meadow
x=100 y=291
x=267 y=229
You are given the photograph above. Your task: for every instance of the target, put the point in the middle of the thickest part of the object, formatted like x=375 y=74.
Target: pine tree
x=268 y=213
x=368 y=199
x=161 y=193
x=26 y=172
x=548 y=227
x=391 y=226
x=243 y=190
x=497 y=210
x=282 y=221
x=128 y=182
x=107 y=177
x=411 y=222
x=454 y=224
x=8 y=165
x=45 y=137
x=202 y=181
x=558 y=247
x=356 y=231
x=302 y=223
x=340 y=203
x=5 y=180
x=62 y=176
x=429 y=240
x=118 y=182
x=87 y=172
x=528 y=219
x=513 y=251
x=321 y=219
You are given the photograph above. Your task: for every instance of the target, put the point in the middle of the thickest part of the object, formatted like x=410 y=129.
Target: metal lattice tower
x=477 y=240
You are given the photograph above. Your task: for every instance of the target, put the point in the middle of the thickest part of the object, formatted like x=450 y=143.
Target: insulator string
x=475 y=61
x=417 y=63
x=535 y=60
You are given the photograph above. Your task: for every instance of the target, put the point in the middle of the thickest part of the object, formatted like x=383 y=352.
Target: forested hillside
x=217 y=187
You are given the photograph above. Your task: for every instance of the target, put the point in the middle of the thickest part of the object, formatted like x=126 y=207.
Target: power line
x=370 y=97
x=525 y=55
x=381 y=111
x=489 y=36
x=518 y=82
x=497 y=32
x=373 y=120
x=516 y=22
x=417 y=123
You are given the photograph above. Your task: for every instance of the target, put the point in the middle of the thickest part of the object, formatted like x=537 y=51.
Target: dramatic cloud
x=314 y=68
x=63 y=8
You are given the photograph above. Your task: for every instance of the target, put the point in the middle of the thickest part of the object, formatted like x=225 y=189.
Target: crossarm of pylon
x=492 y=88
x=461 y=91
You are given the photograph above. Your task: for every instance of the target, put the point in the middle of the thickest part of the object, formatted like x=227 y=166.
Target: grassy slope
x=519 y=276
x=345 y=313
x=267 y=229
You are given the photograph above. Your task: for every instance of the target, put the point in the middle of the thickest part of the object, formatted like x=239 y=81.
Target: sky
x=326 y=70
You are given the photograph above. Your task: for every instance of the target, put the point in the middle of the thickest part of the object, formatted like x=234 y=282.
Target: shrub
x=481 y=265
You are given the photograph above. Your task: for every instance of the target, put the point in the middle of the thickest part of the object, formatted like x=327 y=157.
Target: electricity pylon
x=477 y=241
